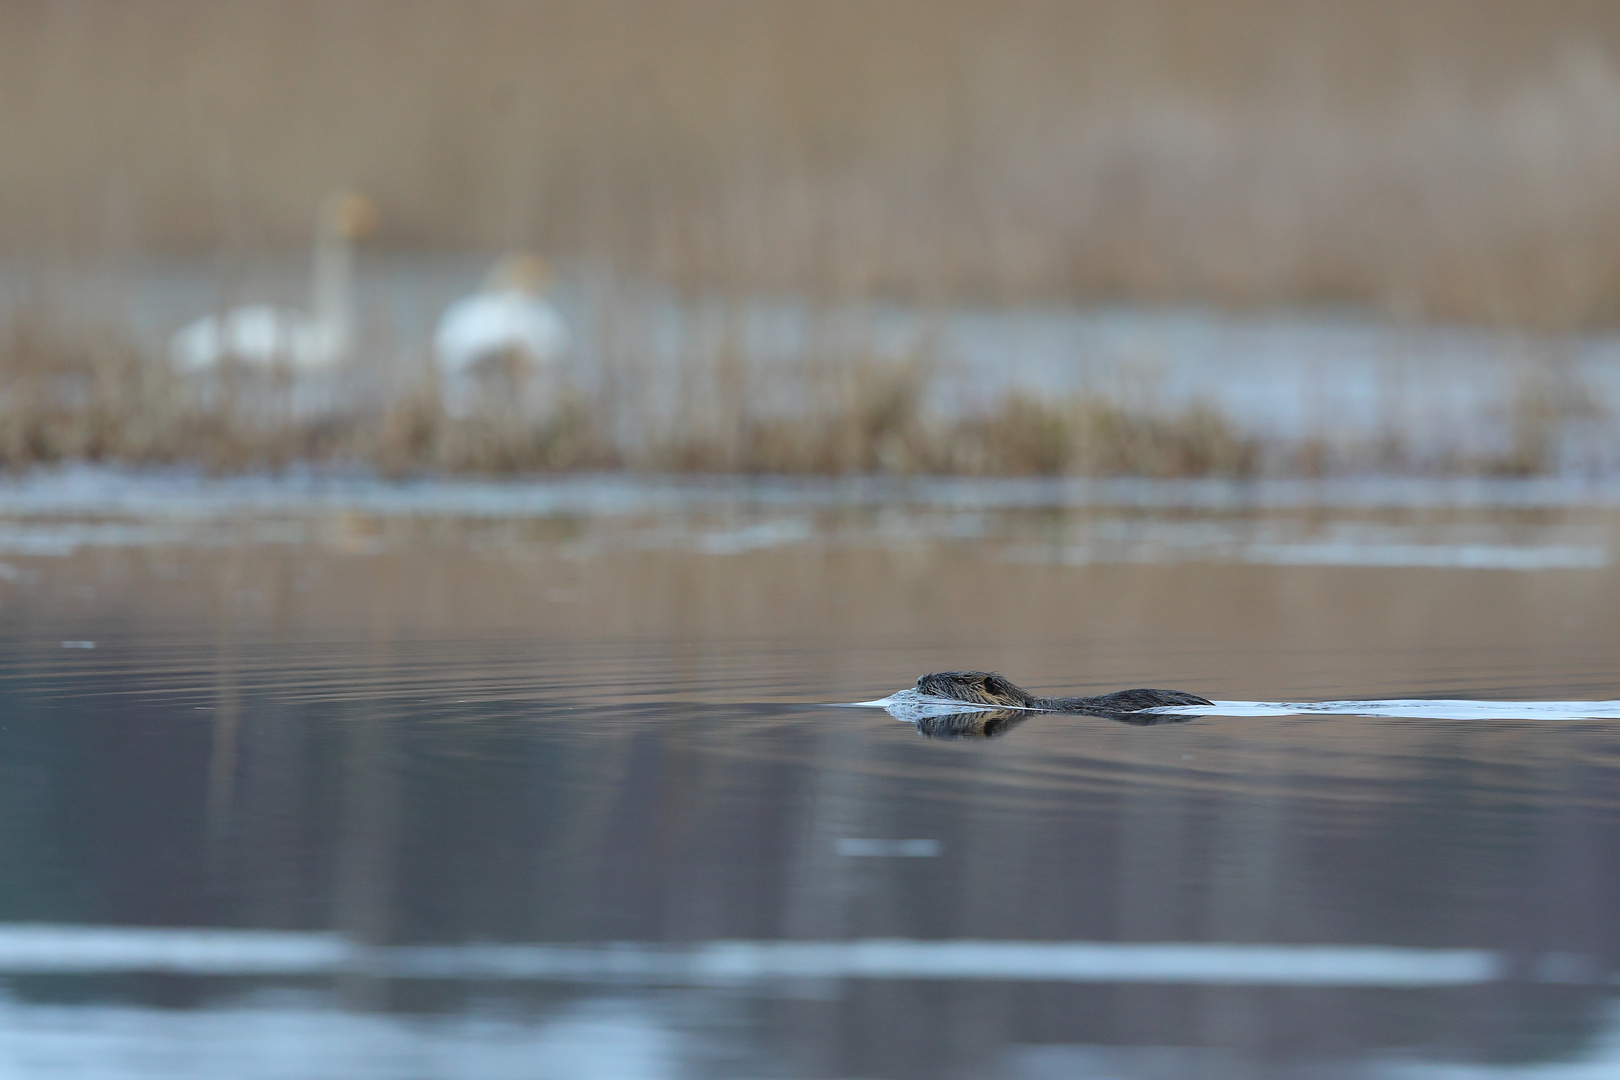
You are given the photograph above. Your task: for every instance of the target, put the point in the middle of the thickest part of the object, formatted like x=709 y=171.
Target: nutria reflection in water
x=986 y=688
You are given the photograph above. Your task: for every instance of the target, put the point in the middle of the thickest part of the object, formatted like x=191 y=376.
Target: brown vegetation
x=1452 y=159
x=96 y=399
x=1455 y=158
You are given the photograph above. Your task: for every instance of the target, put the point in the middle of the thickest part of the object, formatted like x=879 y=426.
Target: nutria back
x=1131 y=700
x=989 y=688
x=976 y=687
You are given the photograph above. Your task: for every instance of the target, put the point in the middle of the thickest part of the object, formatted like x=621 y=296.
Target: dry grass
x=1452 y=158
x=94 y=399
x=869 y=418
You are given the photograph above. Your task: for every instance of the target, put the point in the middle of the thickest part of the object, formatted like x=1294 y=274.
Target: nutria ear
x=995 y=684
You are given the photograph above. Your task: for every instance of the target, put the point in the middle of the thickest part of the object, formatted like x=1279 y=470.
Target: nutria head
x=975 y=687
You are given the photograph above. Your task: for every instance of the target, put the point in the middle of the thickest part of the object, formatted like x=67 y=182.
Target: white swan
x=500 y=338
x=263 y=336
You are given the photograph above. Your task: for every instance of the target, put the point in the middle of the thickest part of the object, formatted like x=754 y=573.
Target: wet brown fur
x=1018 y=705
x=989 y=688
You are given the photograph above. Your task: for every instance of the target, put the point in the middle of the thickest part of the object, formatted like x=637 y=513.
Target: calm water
x=551 y=784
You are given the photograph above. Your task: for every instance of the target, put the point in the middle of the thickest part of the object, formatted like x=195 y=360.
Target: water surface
x=560 y=790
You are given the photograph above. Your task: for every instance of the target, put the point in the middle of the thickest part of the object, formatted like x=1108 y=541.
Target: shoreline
x=173 y=492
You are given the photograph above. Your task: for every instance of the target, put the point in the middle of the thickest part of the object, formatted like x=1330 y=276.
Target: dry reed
x=1455 y=158
x=1452 y=159
x=68 y=396
x=93 y=398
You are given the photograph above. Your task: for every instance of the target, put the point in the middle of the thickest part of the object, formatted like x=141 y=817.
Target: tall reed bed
x=1452 y=158
x=1455 y=159
x=95 y=398
x=71 y=395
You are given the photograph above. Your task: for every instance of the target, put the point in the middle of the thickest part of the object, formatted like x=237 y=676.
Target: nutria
x=988 y=688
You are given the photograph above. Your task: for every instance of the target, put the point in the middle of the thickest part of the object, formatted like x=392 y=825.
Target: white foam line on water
x=1416 y=709
x=65 y=949
x=859 y=847
x=54 y=948
x=909 y=705
x=1430 y=556
x=731 y=961
x=915 y=702
x=170 y=493
x=1520 y=557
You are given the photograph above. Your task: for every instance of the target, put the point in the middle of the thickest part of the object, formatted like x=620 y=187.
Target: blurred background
x=1161 y=237
x=454 y=454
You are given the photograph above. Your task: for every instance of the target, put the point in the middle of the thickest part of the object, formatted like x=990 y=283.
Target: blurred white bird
x=498 y=340
x=264 y=336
